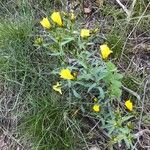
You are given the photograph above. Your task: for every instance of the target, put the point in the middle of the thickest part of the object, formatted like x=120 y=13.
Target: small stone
x=87 y=10
x=94 y=148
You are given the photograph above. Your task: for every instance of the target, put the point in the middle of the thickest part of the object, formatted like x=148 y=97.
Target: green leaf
x=118 y=76
x=116 y=84
x=125 y=118
x=113 y=80
x=76 y=94
x=101 y=92
x=92 y=86
x=110 y=66
x=54 y=54
x=67 y=40
x=115 y=91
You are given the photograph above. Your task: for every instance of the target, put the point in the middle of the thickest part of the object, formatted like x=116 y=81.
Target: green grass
x=46 y=123
x=46 y=120
x=26 y=71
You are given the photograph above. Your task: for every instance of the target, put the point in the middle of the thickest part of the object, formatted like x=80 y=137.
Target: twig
x=94 y=127
x=5 y=131
x=123 y=7
x=128 y=12
x=132 y=6
x=140 y=133
x=140 y=17
x=143 y=100
x=131 y=10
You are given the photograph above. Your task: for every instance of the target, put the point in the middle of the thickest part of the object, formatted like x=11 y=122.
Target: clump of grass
x=130 y=82
x=15 y=40
x=116 y=42
x=25 y=70
x=46 y=123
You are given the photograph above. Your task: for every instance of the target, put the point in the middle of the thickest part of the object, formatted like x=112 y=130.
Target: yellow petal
x=105 y=51
x=96 y=107
x=96 y=30
x=45 y=23
x=56 y=17
x=38 y=41
x=66 y=74
x=72 y=16
x=95 y=99
x=85 y=33
x=57 y=87
x=75 y=74
x=64 y=13
x=129 y=105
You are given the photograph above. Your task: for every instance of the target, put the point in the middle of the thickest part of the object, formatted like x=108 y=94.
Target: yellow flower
x=95 y=99
x=66 y=74
x=75 y=74
x=96 y=107
x=45 y=23
x=96 y=30
x=129 y=105
x=64 y=13
x=72 y=16
x=38 y=41
x=105 y=51
x=85 y=33
x=57 y=87
x=56 y=17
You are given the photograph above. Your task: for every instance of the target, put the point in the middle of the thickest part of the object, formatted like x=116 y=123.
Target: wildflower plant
x=82 y=71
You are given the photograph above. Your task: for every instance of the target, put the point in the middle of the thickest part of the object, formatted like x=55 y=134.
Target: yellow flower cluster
x=65 y=74
x=84 y=33
x=96 y=107
x=56 y=18
x=104 y=49
x=128 y=104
